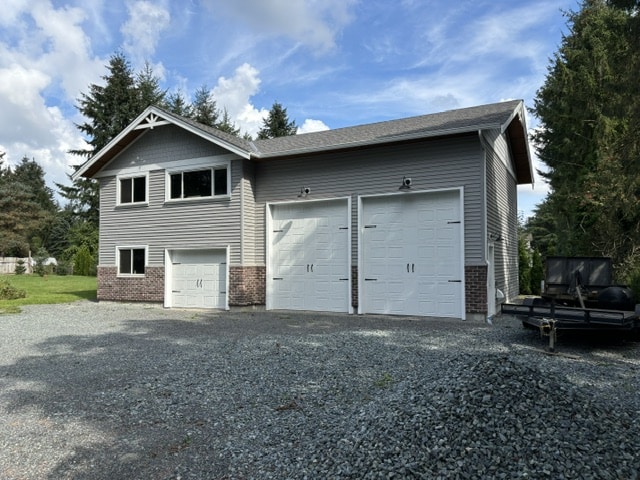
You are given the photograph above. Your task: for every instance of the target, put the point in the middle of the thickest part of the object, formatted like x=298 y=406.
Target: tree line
x=589 y=112
x=32 y=222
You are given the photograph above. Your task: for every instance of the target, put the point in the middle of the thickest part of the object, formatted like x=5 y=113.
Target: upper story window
x=132 y=190
x=201 y=183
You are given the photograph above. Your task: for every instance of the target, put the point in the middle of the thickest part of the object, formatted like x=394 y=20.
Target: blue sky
x=331 y=63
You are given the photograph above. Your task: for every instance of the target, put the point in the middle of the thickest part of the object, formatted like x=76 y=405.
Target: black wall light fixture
x=406 y=183
x=304 y=191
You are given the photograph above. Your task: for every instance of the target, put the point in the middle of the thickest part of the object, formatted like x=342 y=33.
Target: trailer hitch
x=548 y=329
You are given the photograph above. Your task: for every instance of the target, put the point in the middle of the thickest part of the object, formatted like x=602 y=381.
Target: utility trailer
x=578 y=295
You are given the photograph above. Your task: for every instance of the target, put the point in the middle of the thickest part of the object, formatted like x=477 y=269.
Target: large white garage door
x=309 y=256
x=199 y=278
x=412 y=255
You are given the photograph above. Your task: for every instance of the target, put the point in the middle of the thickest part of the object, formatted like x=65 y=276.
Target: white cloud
x=235 y=93
x=45 y=62
x=310 y=22
x=142 y=30
x=311 y=125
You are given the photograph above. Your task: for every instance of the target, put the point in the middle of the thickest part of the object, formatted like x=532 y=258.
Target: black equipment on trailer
x=578 y=295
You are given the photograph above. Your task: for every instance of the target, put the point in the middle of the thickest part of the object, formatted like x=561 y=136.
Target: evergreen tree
x=203 y=109
x=226 y=124
x=148 y=88
x=277 y=123
x=109 y=108
x=178 y=104
x=588 y=110
x=26 y=210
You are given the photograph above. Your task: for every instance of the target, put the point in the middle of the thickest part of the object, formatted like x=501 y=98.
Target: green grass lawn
x=49 y=289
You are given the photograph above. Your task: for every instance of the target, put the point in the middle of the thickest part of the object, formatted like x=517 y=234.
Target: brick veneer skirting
x=247 y=286
x=475 y=278
x=149 y=288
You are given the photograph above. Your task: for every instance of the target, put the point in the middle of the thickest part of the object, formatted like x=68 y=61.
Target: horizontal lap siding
x=502 y=213
x=160 y=225
x=164 y=144
x=431 y=165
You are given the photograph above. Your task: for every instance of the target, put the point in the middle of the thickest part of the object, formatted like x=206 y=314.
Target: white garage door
x=199 y=278
x=412 y=255
x=309 y=256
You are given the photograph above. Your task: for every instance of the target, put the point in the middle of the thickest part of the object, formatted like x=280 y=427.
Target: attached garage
x=197 y=279
x=308 y=247
x=411 y=254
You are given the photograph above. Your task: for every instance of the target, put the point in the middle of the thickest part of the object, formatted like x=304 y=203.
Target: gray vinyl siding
x=250 y=235
x=164 y=144
x=502 y=213
x=432 y=164
x=209 y=223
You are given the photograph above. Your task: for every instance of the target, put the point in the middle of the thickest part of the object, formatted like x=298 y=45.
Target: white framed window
x=132 y=261
x=133 y=189
x=198 y=183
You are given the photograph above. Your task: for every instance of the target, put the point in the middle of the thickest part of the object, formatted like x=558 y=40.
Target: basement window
x=132 y=261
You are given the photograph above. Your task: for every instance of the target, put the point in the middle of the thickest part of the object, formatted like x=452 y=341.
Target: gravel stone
x=103 y=391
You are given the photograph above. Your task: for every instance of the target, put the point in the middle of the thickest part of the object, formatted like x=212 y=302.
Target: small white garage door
x=198 y=278
x=412 y=255
x=309 y=256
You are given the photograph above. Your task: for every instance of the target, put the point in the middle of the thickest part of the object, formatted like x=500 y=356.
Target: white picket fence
x=8 y=265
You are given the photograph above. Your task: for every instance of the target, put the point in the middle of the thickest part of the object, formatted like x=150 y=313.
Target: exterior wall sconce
x=406 y=183
x=304 y=191
x=495 y=237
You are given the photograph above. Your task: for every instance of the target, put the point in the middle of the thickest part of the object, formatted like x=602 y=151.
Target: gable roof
x=508 y=117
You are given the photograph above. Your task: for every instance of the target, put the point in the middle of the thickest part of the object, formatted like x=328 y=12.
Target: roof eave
x=137 y=128
x=378 y=141
x=516 y=129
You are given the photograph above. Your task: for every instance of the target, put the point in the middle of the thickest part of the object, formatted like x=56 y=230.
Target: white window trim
x=119 y=178
x=132 y=247
x=195 y=168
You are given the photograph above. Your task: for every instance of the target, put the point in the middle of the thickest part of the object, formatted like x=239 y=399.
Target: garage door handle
x=454 y=281
x=407 y=268
x=312 y=268
x=278 y=278
x=370 y=279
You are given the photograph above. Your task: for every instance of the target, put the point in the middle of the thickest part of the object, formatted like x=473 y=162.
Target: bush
x=9 y=292
x=634 y=283
x=20 y=267
x=83 y=262
x=39 y=266
x=64 y=268
x=537 y=272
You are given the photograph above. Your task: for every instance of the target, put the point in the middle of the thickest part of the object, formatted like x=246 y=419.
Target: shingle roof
x=506 y=116
x=463 y=120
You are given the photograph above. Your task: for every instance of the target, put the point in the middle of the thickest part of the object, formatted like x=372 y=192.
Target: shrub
x=634 y=283
x=39 y=263
x=9 y=292
x=537 y=272
x=20 y=267
x=83 y=262
x=63 y=268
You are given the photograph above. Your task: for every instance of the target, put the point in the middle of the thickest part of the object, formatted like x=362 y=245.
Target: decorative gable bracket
x=151 y=121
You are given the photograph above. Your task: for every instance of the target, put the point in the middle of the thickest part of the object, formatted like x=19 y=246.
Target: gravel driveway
x=111 y=391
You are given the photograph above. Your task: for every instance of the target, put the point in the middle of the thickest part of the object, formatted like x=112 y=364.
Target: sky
x=331 y=63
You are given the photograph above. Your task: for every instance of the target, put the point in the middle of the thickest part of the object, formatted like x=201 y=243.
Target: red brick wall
x=476 y=289
x=247 y=286
x=149 y=288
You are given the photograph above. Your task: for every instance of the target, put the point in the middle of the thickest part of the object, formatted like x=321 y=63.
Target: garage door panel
x=415 y=252
x=315 y=249
x=198 y=278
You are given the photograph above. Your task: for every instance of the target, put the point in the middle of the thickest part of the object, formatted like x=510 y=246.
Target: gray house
x=415 y=216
